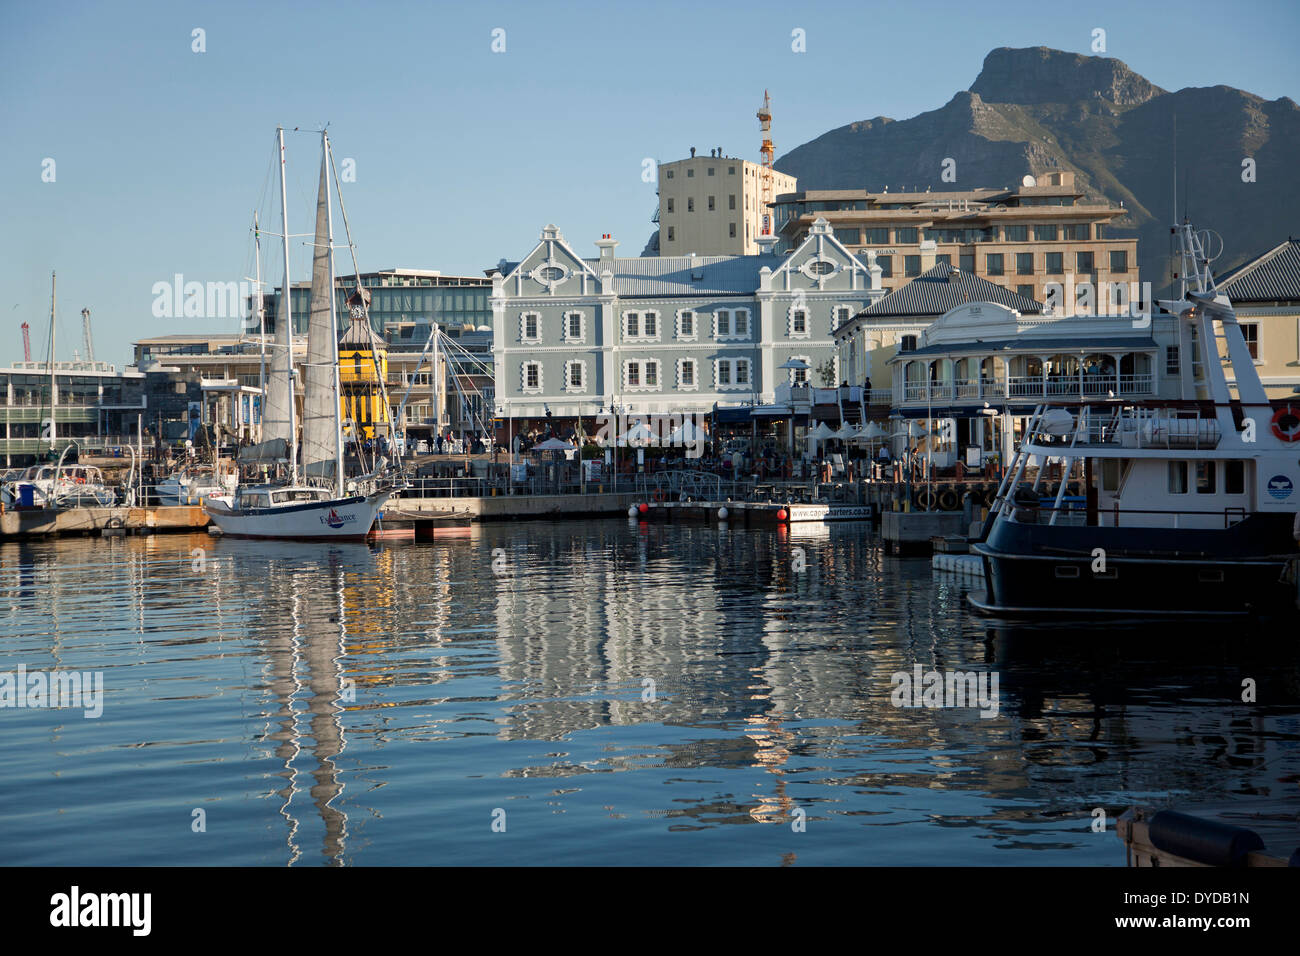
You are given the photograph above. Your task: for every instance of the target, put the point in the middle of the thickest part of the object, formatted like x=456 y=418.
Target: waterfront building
x=662 y=335
x=1265 y=293
x=404 y=303
x=94 y=405
x=1020 y=238
x=713 y=205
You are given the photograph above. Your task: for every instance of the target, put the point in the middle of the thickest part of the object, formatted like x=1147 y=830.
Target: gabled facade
x=1265 y=293
x=667 y=334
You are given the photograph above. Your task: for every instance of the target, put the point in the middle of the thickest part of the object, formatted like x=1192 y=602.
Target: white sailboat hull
x=337 y=519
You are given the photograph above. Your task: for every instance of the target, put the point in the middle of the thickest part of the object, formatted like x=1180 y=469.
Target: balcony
x=1029 y=387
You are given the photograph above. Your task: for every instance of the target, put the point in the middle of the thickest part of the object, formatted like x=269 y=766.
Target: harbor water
x=598 y=692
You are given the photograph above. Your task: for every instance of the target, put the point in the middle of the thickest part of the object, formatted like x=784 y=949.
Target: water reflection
x=612 y=682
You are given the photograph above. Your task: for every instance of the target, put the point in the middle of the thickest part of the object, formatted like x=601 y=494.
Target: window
x=1024 y=263
x=1234 y=477
x=731 y=170
x=907 y=343
x=1119 y=260
x=650 y=325
x=1026 y=290
x=1017 y=233
x=1110 y=474
x=686 y=325
x=1250 y=330
x=876 y=236
x=967 y=261
x=672 y=234
x=710 y=204
x=633 y=326
x=1078 y=231
x=576 y=372
x=669 y=174
x=690 y=204
x=731 y=201
x=732 y=232
x=634 y=374
x=690 y=174
x=532 y=376
x=886 y=264
x=841 y=315
x=945 y=258
x=710 y=170
x=799 y=322
x=993 y=263
x=1045 y=233
x=799 y=375
x=1083 y=263
x=742 y=371
x=573 y=326
x=907 y=234
x=686 y=373
x=740 y=323
x=1055 y=263
x=652 y=374
x=912 y=265
x=1172 y=366
x=848 y=236
x=723 y=319
x=724 y=372
x=1205 y=477
x=1178 y=477
x=530 y=324
x=670 y=203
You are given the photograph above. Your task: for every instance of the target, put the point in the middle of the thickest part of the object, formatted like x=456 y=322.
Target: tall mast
x=334 y=329
x=54 y=328
x=261 y=315
x=287 y=298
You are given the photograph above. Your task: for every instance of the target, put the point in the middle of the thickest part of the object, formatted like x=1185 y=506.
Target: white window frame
x=836 y=321
x=694 y=384
x=695 y=325
x=641 y=335
x=568 y=375
x=808 y=371
x=807 y=321
x=731 y=386
x=748 y=383
x=565 y=336
x=642 y=366
x=717 y=324
x=523 y=327
x=524 y=387
x=734 y=317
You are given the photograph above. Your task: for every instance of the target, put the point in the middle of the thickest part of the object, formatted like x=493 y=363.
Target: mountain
x=1035 y=110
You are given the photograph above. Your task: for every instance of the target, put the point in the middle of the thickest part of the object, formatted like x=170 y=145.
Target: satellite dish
x=1029 y=182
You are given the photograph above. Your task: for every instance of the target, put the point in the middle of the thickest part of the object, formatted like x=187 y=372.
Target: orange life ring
x=1289 y=414
x=657 y=496
x=80 y=481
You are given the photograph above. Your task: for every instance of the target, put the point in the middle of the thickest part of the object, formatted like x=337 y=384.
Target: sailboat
x=332 y=507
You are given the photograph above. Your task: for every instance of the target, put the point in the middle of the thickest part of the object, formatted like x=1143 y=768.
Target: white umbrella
x=688 y=433
x=846 y=432
x=795 y=363
x=873 y=430
x=553 y=444
x=639 y=434
x=822 y=432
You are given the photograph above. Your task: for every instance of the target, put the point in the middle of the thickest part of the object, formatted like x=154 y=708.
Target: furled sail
x=275 y=416
x=319 y=428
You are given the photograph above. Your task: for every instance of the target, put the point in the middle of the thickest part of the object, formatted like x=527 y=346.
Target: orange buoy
x=643 y=507
x=781 y=514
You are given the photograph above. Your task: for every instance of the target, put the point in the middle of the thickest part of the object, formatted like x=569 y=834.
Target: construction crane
x=27 y=343
x=85 y=335
x=768 y=152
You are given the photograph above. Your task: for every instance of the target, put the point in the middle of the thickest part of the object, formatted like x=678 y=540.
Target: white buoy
x=723 y=513
x=631 y=511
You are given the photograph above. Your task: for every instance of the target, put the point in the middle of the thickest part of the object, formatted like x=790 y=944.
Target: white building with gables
x=663 y=335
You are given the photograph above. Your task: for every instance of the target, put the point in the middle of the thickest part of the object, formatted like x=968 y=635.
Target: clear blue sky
x=462 y=155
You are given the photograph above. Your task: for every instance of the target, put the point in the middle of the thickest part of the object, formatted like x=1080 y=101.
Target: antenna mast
x=27 y=343
x=85 y=335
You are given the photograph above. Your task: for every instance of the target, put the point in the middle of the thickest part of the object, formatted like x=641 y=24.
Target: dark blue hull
x=1033 y=569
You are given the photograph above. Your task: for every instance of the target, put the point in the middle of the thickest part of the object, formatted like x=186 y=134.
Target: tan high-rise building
x=712 y=206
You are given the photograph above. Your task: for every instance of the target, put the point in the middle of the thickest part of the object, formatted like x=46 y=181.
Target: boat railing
x=1146 y=428
x=1073 y=512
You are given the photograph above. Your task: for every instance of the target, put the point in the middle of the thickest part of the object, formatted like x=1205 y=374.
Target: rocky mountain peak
x=1042 y=75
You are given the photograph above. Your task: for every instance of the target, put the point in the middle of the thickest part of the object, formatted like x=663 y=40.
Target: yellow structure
x=363 y=370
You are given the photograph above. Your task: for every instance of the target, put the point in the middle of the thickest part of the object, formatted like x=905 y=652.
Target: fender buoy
x=643 y=507
x=781 y=514
x=925 y=499
x=947 y=500
x=1286 y=423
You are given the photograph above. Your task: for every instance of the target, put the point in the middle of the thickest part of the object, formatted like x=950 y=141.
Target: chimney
x=606 y=244
x=929 y=252
x=954 y=276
